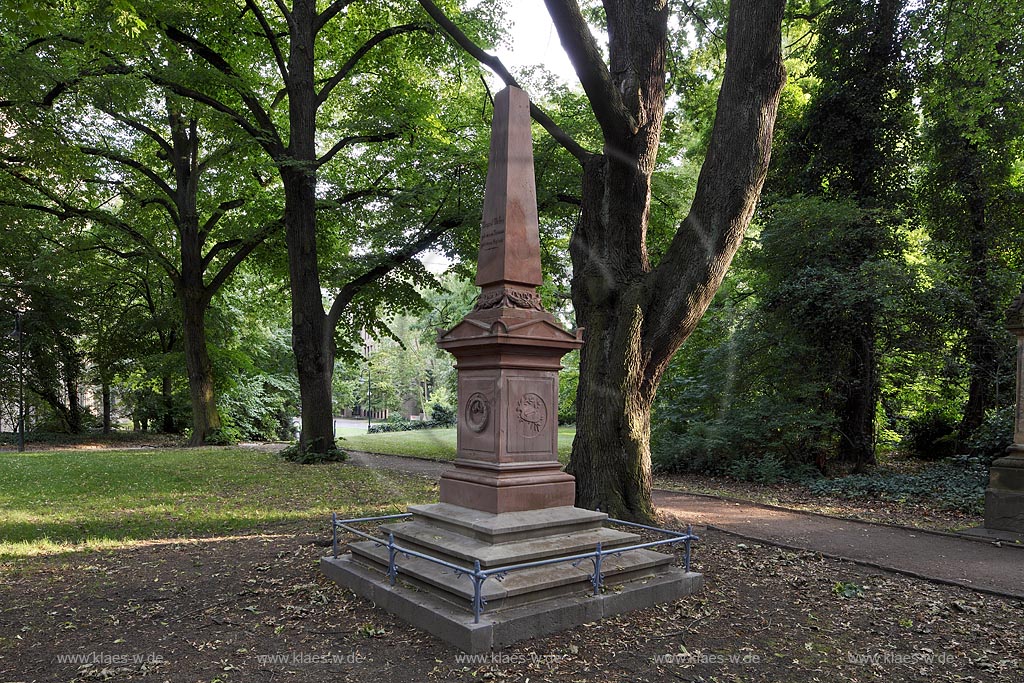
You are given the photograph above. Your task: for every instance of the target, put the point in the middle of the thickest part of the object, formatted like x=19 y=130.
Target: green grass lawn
x=56 y=501
x=435 y=444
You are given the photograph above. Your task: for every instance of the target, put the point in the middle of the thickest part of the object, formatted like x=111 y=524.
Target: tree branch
x=271 y=37
x=213 y=58
x=350 y=64
x=267 y=139
x=616 y=122
x=153 y=176
x=353 y=140
x=731 y=176
x=495 y=65
x=141 y=127
x=329 y=13
x=247 y=246
x=208 y=226
x=388 y=263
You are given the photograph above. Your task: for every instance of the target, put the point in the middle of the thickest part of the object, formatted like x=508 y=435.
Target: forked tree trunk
x=635 y=314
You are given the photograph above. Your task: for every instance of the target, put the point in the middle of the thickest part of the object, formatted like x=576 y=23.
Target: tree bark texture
x=312 y=340
x=635 y=314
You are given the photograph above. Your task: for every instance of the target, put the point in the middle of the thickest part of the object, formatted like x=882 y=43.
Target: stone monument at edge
x=1004 y=496
x=506 y=501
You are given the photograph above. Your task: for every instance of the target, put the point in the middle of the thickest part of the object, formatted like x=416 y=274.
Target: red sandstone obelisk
x=508 y=349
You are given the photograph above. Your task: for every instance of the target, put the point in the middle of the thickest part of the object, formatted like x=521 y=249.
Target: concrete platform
x=502 y=628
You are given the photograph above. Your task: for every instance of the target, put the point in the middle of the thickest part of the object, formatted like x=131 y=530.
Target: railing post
x=689 y=537
x=597 y=578
x=478 y=598
x=392 y=567
x=334 y=533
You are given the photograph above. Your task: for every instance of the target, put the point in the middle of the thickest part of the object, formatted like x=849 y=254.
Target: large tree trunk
x=860 y=396
x=982 y=319
x=312 y=341
x=205 y=417
x=636 y=316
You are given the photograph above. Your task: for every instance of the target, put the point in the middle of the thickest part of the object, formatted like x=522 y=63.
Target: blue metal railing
x=479 y=575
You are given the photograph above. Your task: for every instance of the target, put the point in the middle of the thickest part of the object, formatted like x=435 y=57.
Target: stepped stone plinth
x=507 y=501
x=1004 y=496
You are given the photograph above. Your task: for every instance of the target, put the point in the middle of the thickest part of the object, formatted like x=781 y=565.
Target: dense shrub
x=442 y=415
x=399 y=425
x=295 y=453
x=931 y=435
x=950 y=485
x=990 y=439
x=261 y=408
x=225 y=435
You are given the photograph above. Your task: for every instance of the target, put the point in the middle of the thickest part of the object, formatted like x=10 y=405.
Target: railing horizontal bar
x=667 y=532
x=674 y=537
x=582 y=556
x=373 y=519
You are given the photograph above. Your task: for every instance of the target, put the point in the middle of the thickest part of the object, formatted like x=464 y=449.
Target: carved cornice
x=506 y=297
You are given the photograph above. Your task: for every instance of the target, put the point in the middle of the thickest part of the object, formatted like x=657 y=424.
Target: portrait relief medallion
x=532 y=414
x=478 y=412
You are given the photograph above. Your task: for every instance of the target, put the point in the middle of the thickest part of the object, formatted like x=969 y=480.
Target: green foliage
x=400 y=425
x=442 y=415
x=224 y=436
x=991 y=439
x=312 y=455
x=932 y=435
x=946 y=484
x=847 y=589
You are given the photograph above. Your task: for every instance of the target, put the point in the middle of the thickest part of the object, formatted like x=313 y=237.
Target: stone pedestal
x=1004 y=496
x=507 y=501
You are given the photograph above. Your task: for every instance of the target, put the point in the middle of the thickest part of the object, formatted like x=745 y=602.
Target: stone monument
x=1004 y=497
x=506 y=501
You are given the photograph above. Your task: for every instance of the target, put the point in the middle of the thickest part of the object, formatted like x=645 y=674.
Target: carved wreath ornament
x=477 y=412
x=533 y=415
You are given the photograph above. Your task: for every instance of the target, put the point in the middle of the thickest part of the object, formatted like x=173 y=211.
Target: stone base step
x=434 y=539
x=424 y=610
x=517 y=587
x=508 y=527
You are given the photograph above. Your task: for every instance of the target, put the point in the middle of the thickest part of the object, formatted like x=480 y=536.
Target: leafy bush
x=400 y=425
x=768 y=469
x=226 y=435
x=990 y=439
x=951 y=486
x=261 y=407
x=295 y=453
x=931 y=435
x=442 y=415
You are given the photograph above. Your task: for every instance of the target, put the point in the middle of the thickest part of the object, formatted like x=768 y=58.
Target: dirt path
x=943 y=558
